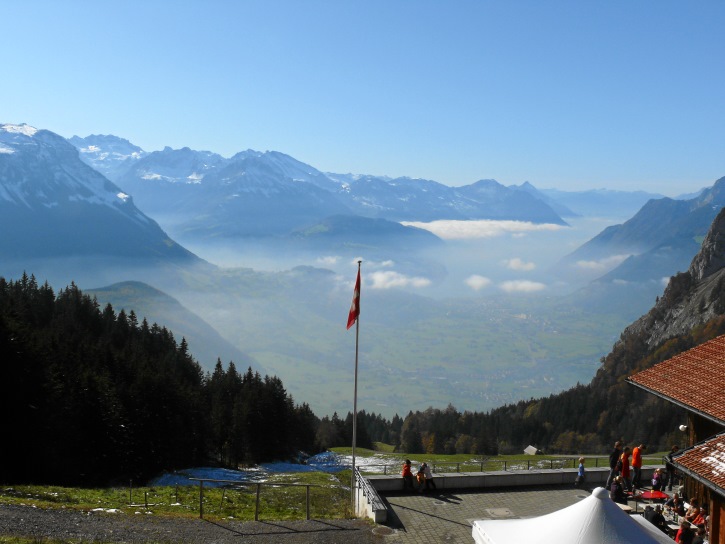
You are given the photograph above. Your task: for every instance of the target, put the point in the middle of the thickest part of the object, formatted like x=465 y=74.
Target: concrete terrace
x=446 y=515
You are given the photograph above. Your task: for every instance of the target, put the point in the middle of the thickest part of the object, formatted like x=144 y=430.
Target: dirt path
x=123 y=528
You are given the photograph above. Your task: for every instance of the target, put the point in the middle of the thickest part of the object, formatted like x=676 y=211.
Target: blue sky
x=572 y=95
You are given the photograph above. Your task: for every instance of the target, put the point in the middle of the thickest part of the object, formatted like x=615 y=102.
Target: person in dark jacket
x=655 y=517
x=616 y=491
x=670 y=472
x=676 y=505
x=613 y=458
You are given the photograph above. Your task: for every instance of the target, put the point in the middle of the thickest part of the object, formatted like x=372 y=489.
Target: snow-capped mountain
x=56 y=205
x=291 y=168
x=163 y=180
x=200 y=195
x=407 y=199
x=106 y=153
x=403 y=199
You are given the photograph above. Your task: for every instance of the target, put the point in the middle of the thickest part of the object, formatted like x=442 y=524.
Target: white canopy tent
x=594 y=520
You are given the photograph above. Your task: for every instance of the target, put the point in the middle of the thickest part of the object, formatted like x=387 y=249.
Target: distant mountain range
x=657 y=242
x=598 y=202
x=198 y=194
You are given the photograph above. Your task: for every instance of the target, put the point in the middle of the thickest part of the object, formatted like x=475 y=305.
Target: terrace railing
x=490 y=465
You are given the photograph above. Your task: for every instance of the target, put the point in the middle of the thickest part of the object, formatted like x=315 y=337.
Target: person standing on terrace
x=637 y=465
x=579 y=481
x=670 y=471
x=613 y=459
x=626 y=478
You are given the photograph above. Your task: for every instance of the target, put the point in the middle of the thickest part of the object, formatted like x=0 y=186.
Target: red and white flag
x=355 y=306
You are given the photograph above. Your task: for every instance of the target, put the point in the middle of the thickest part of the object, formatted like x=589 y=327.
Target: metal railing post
x=308 y=502
x=201 y=499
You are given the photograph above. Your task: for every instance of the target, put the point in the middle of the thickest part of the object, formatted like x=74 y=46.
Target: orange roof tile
x=706 y=461
x=694 y=379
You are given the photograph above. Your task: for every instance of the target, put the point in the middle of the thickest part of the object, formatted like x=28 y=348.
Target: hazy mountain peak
x=715 y=194
x=486 y=183
x=109 y=143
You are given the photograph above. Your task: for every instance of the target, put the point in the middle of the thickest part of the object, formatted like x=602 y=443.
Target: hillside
x=204 y=341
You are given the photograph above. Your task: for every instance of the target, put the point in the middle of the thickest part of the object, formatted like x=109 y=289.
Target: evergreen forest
x=93 y=397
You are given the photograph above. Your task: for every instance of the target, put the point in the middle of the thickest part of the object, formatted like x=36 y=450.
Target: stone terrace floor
x=448 y=516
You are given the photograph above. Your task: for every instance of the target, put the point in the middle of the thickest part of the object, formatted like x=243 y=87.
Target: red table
x=653 y=496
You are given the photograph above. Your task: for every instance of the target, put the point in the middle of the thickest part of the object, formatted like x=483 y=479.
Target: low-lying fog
x=479 y=257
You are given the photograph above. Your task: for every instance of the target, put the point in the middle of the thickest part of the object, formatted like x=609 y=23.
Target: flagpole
x=354 y=402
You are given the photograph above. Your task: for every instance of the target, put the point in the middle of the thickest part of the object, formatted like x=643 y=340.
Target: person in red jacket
x=701 y=517
x=684 y=534
x=626 y=478
x=407 y=476
x=637 y=466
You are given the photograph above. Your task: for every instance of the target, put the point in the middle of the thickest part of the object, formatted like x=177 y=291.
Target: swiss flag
x=355 y=306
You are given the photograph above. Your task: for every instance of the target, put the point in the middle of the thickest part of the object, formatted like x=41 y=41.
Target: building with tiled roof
x=706 y=461
x=695 y=381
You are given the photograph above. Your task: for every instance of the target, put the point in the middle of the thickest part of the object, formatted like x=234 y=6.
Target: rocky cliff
x=691 y=298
